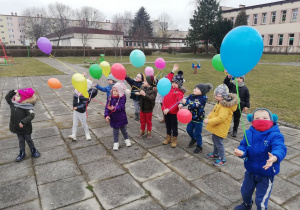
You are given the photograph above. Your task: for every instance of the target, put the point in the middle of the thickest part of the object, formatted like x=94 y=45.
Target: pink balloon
x=149 y=71
x=118 y=71
x=44 y=45
x=184 y=116
x=160 y=63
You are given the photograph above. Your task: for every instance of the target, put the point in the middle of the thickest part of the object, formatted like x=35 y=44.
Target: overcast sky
x=180 y=10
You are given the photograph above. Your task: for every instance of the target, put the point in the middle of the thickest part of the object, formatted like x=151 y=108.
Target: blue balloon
x=137 y=58
x=241 y=50
x=164 y=86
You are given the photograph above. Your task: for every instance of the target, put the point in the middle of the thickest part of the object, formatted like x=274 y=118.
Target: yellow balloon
x=79 y=82
x=105 y=68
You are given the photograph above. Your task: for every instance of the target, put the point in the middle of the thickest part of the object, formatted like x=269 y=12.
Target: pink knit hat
x=121 y=87
x=25 y=93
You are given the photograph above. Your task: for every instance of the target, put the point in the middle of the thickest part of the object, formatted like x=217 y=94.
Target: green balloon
x=217 y=63
x=95 y=71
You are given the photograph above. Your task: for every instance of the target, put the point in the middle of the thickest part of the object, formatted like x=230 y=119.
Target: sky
x=179 y=10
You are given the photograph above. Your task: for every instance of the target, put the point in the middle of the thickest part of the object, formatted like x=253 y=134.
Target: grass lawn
x=27 y=67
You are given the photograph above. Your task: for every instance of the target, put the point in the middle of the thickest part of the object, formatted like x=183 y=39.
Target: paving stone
x=291 y=140
x=109 y=168
x=224 y=189
x=129 y=154
x=16 y=192
x=296 y=146
x=148 y=143
x=191 y=168
x=9 y=155
x=230 y=145
x=234 y=167
x=142 y=204
x=170 y=189
x=41 y=116
x=118 y=191
x=56 y=171
x=64 y=192
x=167 y=154
x=32 y=205
x=45 y=132
x=293 y=204
x=66 y=132
x=65 y=111
x=52 y=154
x=9 y=143
x=103 y=132
x=146 y=169
x=90 y=204
x=89 y=154
x=295 y=179
x=290 y=131
x=82 y=142
x=296 y=160
x=51 y=141
x=43 y=124
x=291 y=153
x=283 y=190
x=288 y=169
x=109 y=141
x=4 y=131
x=271 y=206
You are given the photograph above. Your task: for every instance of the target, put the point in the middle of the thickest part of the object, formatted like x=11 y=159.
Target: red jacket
x=171 y=100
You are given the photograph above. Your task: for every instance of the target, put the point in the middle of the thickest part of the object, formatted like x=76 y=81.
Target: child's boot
x=234 y=132
x=192 y=142
x=88 y=137
x=21 y=156
x=35 y=153
x=127 y=143
x=198 y=149
x=116 y=146
x=142 y=133
x=167 y=140
x=72 y=137
x=243 y=206
x=174 y=142
x=149 y=136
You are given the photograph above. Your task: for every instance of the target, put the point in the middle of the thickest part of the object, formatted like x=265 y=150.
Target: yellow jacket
x=221 y=116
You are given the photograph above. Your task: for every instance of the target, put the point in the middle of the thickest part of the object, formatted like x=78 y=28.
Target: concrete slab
x=293 y=204
x=142 y=204
x=45 y=132
x=32 y=205
x=52 y=154
x=90 y=204
x=288 y=169
x=234 y=167
x=9 y=143
x=167 y=154
x=47 y=142
x=129 y=154
x=89 y=154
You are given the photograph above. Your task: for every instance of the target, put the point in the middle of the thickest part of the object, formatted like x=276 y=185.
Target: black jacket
x=243 y=92
x=135 y=86
x=82 y=102
x=20 y=113
x=147 y=102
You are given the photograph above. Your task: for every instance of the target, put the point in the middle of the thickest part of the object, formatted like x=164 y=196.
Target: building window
x=225 y=18
x=2 y=32
x=280 y=39
x=294 y=15
x=264 y=18
x=3 y=39
x=20 y=19
x=263 y=37
x=8 y=18
x=232 y=19
x=10 y=30
x=146 y=44
x=21 y=30
x=1 y=19
x=22 y=36
x=1 y=25
x=9 y=24
x=283 y=16
x=273 y=17
x=130 y=43
x=255 y=19
x=12 y=42
x=247 y=19
x=270 y=39
x=11 y=36
x=291 y=39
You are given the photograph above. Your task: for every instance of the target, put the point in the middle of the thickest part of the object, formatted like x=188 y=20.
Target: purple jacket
x=118 y=116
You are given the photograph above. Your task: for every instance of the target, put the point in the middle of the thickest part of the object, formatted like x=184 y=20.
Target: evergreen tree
x=142 y=27
x=220 y=29
x=241 y=18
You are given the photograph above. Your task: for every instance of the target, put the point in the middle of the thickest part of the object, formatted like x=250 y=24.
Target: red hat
x=25 y=93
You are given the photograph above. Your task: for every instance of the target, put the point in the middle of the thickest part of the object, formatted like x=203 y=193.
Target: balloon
x=54 y=83
x=137 y=58
x=44 y=45
x=105 y=68
x=164 y=86
x=241 y=50
x=79 y=82
x=149 y=71
x=95 y=71
x=217 y=63
x=184 y=116
x=118 y=71
x=160 y=63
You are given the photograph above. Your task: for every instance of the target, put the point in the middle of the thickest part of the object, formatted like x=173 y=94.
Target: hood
x=231 y=103
x=23 y=105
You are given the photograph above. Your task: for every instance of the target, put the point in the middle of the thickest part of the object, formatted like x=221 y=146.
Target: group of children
x=262 y=148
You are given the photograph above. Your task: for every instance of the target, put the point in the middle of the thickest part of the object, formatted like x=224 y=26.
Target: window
x=11 y=36
x=130 y=43
x=270 y=39
x=294 y=15
x=273 y=17
x=247 y=19
x=280 y=39
x=22 y=30
x=1 y=19
x=255 y=19
x=264 y=18
x=2 y=32
x=291 y=39
x=283 y=16
x=146 y=44
x=8 y=18
x=23 y=36
x=225 y=18
x=3 y=39
x=9 y=24
x=263 y=37
x=12 y=42
x=1 y=25
x=232 y=19
x=10 y=30
x=20 y=19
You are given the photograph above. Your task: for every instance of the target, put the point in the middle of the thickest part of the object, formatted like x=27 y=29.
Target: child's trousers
x=146 y=119
x=219 y=148
x=25 y=137
x=194 y=129
x=263 y=185
x=171 y=124
x=116 y=133
x=136 y=105
x=77 y=116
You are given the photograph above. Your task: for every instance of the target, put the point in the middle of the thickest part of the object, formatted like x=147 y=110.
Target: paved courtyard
x=89 y=175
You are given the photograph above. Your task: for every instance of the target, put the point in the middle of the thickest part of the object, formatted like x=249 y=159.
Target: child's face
x=175 y=85
x=17 y=97
x=261 y=115
x=138 y=78
x=197 y=91
x=146 y=84
x=110 y=81
x=239 y=79
x=218 y=98
x=115 y=92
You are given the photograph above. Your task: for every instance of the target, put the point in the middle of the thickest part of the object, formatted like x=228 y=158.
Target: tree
x=220 y=29
x=142 y=27
x=118 y=27
x=193 y=40
x=204 y=17
x=162 y=34
x=241 y=19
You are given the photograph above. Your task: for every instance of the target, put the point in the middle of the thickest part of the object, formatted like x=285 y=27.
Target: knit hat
x=222 y=91
x=120 y=87
x=178 y=79
x=142 y=77
x=243 y=77
x=25 y=93
x=204 y=88
x=150 y=80
x=273 y=117
x=111 y=77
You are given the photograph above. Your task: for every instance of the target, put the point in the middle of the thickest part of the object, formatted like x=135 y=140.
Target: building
x=277 y=22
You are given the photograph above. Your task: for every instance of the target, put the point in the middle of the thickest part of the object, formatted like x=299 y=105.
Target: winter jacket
x=262 y=142
x=196 y=104
x=20 y=113
x=135 y=87
x=147 y=102
x=243 y=92
x=171 y=100
x=117 y=116
x=81 y=102
x=221 y=116
x=106 y=89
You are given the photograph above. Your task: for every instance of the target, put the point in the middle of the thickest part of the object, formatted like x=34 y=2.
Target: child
x=116 y=115
x=170 y=107
x=21 y=104
x=111 y=80
x=80 y=104
x=135 y=87
x=147 y=102
x=244 y=99
x=262 y=158
x=196 y=103
x=218 y=122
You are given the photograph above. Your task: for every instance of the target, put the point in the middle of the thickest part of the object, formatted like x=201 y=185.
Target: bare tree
x=163 y=30
x=117 y=28
x=127 y=22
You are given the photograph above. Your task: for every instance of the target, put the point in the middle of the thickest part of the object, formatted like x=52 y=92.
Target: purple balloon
x=160 y=63
x=44 y=45
x=149 y=71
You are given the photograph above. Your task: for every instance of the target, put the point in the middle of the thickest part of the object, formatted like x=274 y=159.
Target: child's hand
x=110 y=108
x=84 y=74
x=107 y=118
x=206 y=121
x=142 y=93
x=74 y=108
x=166 y=111
x=21 y=125
x=180 y=106
x=137 y=93
x=245 y=109
x=94 y=84
x=270 y=162
x=175 y=67
x=183 y=101
x=238 y=152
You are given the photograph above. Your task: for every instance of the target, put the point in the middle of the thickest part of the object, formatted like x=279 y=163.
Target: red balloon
x=118 y=71
x=184 y=116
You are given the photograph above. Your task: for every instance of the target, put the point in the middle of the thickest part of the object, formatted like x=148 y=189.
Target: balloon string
x=63 y=63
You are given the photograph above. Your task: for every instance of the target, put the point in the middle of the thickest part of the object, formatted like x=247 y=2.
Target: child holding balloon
x=111 y=80
x=218 y=122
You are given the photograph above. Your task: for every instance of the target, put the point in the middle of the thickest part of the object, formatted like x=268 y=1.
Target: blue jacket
x=81 y=102
x=196 y=104
x=135 y=87
x=106 y=89
x=262 y=142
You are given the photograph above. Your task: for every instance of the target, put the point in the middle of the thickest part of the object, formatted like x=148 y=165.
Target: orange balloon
x=54 y=83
